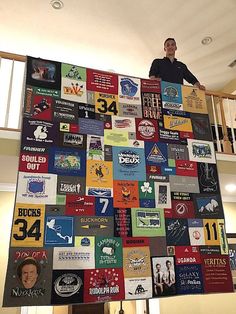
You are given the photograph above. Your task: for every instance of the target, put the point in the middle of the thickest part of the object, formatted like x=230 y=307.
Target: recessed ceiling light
x=206 y=40
x=230 y=187
x=57 y=4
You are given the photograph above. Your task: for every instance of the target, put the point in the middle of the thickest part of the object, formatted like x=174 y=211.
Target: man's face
x=29 y=275
x=158 y=267
x=168 y=265
x=170 y=47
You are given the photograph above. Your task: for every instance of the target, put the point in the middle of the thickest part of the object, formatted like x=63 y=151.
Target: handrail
x=227 y=142
x=17 y=57
x=220 y=94
x=10 y=129
x=12 y=56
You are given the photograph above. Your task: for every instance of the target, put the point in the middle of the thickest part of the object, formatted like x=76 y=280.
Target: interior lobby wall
x=199 y=304
x=230 y=217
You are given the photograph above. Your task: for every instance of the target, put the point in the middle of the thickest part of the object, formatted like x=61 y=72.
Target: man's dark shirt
x=174 y=72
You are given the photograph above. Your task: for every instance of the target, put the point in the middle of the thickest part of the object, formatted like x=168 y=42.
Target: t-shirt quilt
x=118 y=194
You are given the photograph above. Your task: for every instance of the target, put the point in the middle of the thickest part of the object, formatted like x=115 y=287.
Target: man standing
x=171 y=70
x=158 y=280
x=169 y=279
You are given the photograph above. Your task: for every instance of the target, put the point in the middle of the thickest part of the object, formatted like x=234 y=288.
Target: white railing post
x=22 y=100
x=9 y=96
x=231 y=125
x=216 y=126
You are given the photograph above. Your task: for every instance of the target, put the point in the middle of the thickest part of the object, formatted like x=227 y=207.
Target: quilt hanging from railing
x=118 y=194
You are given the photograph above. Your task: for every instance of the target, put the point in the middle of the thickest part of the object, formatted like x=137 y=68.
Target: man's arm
x=154 y=70
x=190 y=78
x=198 y=85
x=155 y=280
x=173 y=278
x=164 y=278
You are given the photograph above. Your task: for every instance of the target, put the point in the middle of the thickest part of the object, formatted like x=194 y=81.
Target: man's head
x=158 y=267
x=170 y=47
x=168 y=264
x=28 y=272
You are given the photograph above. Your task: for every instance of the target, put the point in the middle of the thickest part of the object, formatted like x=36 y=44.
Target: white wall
x=129 y=307
x=200 y=304
x=230 y=217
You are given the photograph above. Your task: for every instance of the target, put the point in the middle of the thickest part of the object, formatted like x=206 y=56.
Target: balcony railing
x=221 y=106
x=222 y=114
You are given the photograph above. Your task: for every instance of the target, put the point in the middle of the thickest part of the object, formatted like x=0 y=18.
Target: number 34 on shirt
x=106 y=103
x=28 y=225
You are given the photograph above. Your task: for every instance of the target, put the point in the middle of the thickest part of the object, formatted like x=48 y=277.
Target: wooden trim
x=16 y=57
x=220 y=94
x=226 y=143
x=224 y=153
x=231 y=235
x=12 y=56
x=10 y=129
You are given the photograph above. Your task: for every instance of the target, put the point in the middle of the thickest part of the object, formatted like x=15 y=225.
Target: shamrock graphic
x=146 y=188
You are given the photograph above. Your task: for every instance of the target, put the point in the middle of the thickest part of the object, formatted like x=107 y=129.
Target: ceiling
x=124 y=36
